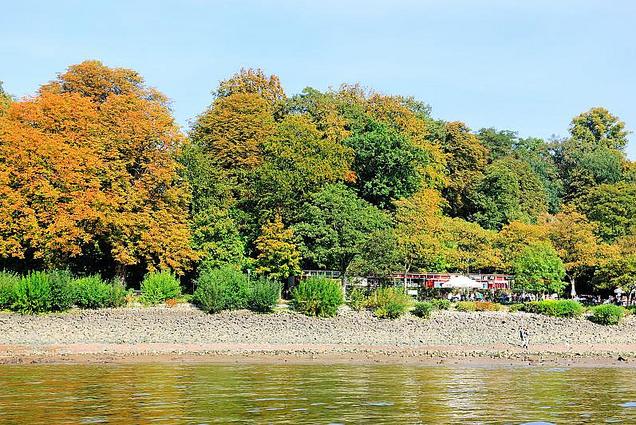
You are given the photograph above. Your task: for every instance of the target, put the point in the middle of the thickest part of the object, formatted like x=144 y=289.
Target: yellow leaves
x=253 y=81
x=234 y=128
x=278 y=256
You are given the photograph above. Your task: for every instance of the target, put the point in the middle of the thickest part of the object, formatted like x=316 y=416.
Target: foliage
x=389 y=302
x=220 y=289
x=8 y=283
x=465 y=306
x=440 y=304
x=32 y=294
x=317 y=296
x=263 y=295
x=612 y=207
x=356 y=299
x=336 y=226
x=92 y=292
x=62 y=290
x=158 y=287
x=92 y=175
x=423 y=309
x=512 y=308
x=487 y=306
x=556 y=308
x=539 y=269
x=278 y=255
x=607 y=314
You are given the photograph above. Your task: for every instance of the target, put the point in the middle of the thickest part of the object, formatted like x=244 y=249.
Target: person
x=523 y=334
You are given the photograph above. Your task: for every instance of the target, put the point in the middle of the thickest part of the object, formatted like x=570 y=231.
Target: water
x=294 y=394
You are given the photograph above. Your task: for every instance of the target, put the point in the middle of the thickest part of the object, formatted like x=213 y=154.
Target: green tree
x=386 y=164
x=336 y=226
x=5 y=100
x=539 y=269
x=612 y=207
x=278 y=254
x=509 y=191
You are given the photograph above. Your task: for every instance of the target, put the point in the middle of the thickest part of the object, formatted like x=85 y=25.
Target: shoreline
x=99 y=353
x=185 y=334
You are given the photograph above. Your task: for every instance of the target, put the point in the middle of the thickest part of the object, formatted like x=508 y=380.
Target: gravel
x=185 y=324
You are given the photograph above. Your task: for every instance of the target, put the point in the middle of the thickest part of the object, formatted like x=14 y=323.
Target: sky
x=528 y=66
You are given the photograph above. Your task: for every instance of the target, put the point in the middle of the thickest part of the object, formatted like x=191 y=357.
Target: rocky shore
x=184 y=331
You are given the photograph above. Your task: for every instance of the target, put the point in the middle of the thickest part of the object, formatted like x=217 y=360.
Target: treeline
x=96 y=177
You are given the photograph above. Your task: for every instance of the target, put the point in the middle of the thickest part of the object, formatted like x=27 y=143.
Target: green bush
x=92 y=292
x=515 y=307
x=221 y=289
x=441 y=304
x=158 y=287
x=8 y=283
x=357 y=299
x=423 y=309
x=263 y=295
x=555 y=308
x=465 y=306
x=62 y=291
x=389 y=302
x=32 y=294
x=317 y=296
x=607 y=314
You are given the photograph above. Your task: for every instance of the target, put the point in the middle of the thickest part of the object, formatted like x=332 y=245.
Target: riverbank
x=184 y=333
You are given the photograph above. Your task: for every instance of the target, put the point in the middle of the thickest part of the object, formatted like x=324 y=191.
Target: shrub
x=487 y=306
x=157 y=287
x=389 y=303
x=556 y=308
x=263 y=295
x=465 y=306
x=93 y=292
x=441 y=304
x=8 y=283
x=221 y=289
x=423 y=309
x=357 y=299
x=317 y=296
x=515 y=307
x=32 y=294
x=62 y=291
x=607 y=314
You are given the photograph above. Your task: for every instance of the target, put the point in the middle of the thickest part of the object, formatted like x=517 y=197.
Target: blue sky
x=528 y=66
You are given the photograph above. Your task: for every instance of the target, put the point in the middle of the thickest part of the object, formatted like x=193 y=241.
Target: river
x=175 y=393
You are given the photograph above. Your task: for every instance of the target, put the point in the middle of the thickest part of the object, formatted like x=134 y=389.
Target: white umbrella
x=462 y=282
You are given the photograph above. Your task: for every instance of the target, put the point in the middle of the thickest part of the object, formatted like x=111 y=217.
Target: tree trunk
x=573 y=287
x=120 y=273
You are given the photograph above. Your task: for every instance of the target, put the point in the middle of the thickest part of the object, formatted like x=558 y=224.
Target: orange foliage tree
x=89 y=173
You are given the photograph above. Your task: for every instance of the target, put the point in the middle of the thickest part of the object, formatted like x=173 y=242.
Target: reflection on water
x=196 y=393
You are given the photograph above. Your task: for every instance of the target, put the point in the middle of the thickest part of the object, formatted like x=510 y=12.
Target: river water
x=176 y=393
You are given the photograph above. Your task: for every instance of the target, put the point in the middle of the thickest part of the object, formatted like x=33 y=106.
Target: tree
x=253 y=81
x=509 y=191
x=539 y=269
x=278 y=254
x=612 y=207
x=93 y=177
x=466 y=158
x=619 y=268
x=515 y=237
x=500 y=143
x=419 y=228
x=336 y=226
x=573 y=237
x=594 y=153
x=298 y=161
x=233 y=130
x=470 y=247
x=386 y=164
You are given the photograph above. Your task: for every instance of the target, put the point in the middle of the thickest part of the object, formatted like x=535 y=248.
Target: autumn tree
x=514 y=237
x=573 y=236
x=5 y=100
x=278 y=253
x=253 y=81
x=469 y=247
x=100 y=147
